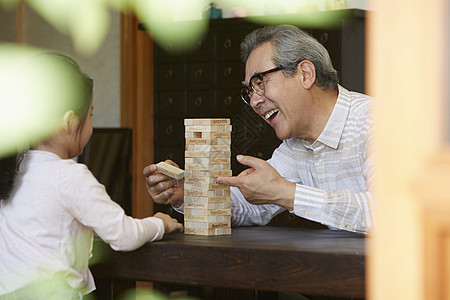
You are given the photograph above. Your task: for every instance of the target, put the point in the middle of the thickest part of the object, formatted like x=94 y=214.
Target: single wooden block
x=207 y=153
x=215 y=141
x=206 y=135
x=218 y=189
x=206 y=186
x=195 y=179
x=196 y=185
x=199 y=193
x=215 y=135
x=197 y=173
x=207 y=167
x=214 y=205
x=205 y=121
x=216 y=231
x=212 y=128
x=188 y=121
x=207 y=147
x=208 y=224
x=203 y=199
x=207 y=212
x=170 y=170
x=215 y=128
x=207 y=160
x=211 y=173
x=219 y=173
x=219 y=186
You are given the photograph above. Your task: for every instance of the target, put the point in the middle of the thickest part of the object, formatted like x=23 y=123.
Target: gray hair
x=291 y=46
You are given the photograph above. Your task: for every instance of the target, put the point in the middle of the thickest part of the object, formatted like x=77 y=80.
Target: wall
x=103 y=67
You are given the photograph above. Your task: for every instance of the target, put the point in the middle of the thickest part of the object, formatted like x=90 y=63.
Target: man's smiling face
x=281 y=104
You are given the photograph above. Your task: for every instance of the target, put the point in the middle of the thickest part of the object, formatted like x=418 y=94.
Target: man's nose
x=256 y=100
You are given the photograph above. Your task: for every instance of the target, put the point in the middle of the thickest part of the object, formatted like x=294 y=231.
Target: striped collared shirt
x=332 y=175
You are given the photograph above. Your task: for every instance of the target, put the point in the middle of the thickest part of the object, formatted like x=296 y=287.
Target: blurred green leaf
x=8 y=4
x=89 y=25
x=85 y=21
x=33 y=96
x=164 y=20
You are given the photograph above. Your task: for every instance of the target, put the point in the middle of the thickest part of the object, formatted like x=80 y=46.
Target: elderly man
x=322 y=170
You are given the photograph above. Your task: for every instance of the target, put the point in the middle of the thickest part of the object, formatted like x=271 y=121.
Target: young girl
x=50 y=207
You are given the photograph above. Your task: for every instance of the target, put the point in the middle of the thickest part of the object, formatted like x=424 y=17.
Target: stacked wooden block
x=207 y=156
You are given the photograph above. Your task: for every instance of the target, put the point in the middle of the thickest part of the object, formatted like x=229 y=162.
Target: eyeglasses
x=256 y=84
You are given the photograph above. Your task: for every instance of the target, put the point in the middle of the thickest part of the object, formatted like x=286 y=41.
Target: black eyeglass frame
x=247 y=90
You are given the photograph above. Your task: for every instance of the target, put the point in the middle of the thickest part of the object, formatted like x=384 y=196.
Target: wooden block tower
x=207 y=156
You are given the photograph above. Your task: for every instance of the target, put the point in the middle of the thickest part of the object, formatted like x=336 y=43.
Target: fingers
x=237 y=180
x=149 y=170
x=179 y=227
x=170 y=224
x=250 y=161
x=159 y=188
x=232 y=181
x=171 y=163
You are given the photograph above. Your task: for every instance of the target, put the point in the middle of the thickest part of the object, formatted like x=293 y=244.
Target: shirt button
x=319 y=161
x=306 y=213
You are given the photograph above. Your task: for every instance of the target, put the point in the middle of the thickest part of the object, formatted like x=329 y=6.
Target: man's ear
x=69 y=121
x=308 y=72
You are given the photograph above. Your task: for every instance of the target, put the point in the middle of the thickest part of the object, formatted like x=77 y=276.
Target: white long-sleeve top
x=332 y=175
x=47 y=224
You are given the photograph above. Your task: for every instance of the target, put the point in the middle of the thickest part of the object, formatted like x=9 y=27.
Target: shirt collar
x=332 y=133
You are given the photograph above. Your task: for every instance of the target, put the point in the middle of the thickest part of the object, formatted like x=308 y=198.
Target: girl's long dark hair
x=8 y=167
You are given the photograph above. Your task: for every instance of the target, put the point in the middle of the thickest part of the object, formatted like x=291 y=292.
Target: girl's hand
x=170 y=224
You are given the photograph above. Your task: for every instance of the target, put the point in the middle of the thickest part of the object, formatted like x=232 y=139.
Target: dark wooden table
x=310 y=261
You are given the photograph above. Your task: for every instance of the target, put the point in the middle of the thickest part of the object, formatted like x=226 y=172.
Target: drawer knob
x=169 y=130
x=227 y=44
x=324 y=37
x=199 y=73
x=198 y=101
x=227 y=101
x=168 y=75
x=227 y=72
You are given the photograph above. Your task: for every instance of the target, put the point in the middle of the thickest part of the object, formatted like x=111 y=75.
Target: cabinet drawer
x=230 y=73
x=170 y=103
x=170 y=75
x=228 y=43
x=201 y=103
x=204 y=48
x=201 y=74
x=229 y=102
x=331 y=40
x=169 y=131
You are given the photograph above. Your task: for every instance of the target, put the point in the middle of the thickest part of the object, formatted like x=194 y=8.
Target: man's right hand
x=164 y=189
